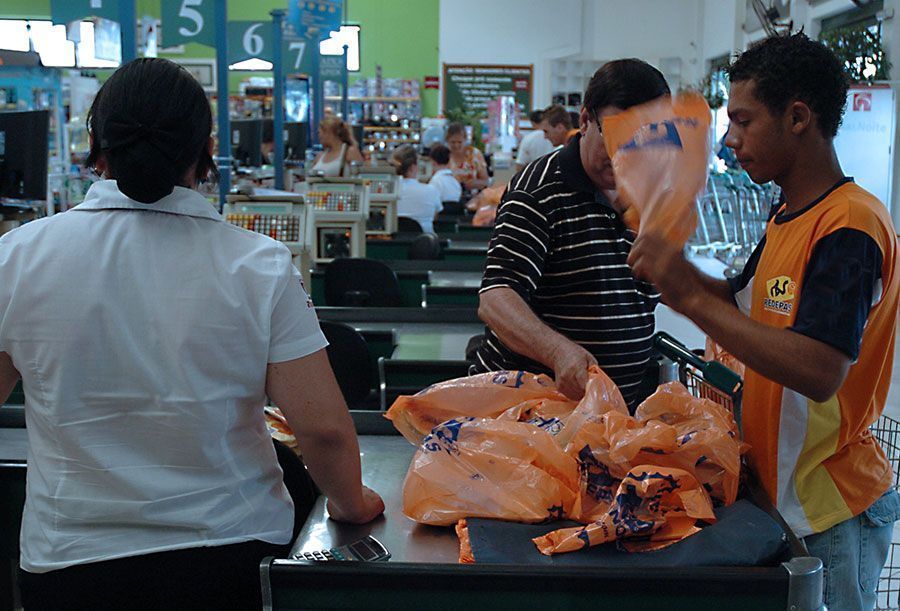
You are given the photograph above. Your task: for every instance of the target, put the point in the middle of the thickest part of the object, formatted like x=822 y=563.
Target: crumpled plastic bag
x=655 y=505
x=545 y=458
x=501 y=455
x=279 y=429
x=660 y=153
x=486 y=395
x=672 y=429
x=488 y=468
x=715 y=352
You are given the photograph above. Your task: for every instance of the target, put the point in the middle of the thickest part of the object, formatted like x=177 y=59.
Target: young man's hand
x=570 y=365
x=370 y=507
x=655 y=260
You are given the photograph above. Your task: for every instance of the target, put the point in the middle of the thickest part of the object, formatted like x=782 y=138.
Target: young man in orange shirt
x=813 y=315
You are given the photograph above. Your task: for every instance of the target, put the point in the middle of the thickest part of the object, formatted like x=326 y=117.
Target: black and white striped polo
x=559 y=244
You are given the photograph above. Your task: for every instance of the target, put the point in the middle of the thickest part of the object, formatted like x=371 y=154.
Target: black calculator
x=367 y=549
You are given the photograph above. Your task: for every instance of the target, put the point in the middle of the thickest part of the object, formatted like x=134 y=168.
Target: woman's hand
x=369 y=507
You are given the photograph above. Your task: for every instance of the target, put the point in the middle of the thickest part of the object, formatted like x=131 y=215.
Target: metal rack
x=887 y=431
x=732 y=215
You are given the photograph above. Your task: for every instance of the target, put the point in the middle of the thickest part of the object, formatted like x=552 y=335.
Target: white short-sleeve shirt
x=142 y=334
x=420 y=202
x=534 y=145
x=449 y=188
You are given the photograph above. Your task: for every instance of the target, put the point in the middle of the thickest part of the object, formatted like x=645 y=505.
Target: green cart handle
x=716 y=374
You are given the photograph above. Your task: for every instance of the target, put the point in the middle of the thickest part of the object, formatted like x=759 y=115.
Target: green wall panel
x=402 y=36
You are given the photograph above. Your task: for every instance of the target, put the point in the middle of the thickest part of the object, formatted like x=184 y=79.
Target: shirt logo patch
x=780 y=295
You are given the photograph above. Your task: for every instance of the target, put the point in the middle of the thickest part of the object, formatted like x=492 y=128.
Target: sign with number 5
x=187 y=21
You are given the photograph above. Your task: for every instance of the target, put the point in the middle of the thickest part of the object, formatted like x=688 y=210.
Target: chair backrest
x=349 y=357
x=408 y=225
x=407 y=377
x=361 y=282
x=425 y=247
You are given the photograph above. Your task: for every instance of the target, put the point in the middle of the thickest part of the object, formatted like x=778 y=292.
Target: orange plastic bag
x=543 y=457
x=715 y=352
x=671 y=429
x=656 y=504
x=508 y=465
x=487 y=468
x=485 y=395
x=660 y=153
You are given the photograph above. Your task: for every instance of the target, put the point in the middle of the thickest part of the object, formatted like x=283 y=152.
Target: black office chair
x=408 y=225
x=425 y=247
x=453 y=208
x=349 y=356
x=361 y=282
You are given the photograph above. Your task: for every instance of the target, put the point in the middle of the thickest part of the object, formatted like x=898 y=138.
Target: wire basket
x=703 y=379
x=699 y=387
x=887 y=431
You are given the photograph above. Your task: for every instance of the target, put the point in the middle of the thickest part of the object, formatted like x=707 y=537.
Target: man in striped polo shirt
x=557 y=294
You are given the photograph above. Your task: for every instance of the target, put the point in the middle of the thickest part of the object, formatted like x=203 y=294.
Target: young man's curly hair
x=789 y=68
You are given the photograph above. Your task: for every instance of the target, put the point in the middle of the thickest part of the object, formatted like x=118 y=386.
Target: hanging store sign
x=331 y=67
x=315 y=19
x=248 y=40
x=67 y=11
x=297 y=56
x=186 y=21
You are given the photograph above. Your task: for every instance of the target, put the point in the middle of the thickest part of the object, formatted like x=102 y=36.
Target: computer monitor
x=295 y=140
x=23 y=154
x=246 y=142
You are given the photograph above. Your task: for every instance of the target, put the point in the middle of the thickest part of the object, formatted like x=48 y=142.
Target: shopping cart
x=714 y=381
x=704 y=379
x=887 y=431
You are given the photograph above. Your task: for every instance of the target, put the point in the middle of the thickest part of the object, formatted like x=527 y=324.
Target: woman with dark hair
x=148 y=333
x=340 y=148
x=417 y=201
x=466 y=161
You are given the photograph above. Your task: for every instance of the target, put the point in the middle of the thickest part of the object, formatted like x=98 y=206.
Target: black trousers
x=222 y=577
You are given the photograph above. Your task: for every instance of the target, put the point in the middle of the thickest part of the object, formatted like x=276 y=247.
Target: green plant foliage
x=859 y=49
x=712 y=89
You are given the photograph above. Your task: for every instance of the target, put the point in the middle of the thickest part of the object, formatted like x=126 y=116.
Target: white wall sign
x=865 y=139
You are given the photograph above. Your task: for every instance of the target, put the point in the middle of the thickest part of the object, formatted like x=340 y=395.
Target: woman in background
x=466 y=161
x=339 y=148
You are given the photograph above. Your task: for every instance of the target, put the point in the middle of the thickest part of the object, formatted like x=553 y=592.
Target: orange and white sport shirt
x=827 y=272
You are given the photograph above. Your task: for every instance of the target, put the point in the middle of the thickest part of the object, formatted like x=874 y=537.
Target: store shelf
x=337 y=98
x=376 y=128
x=389 y=140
